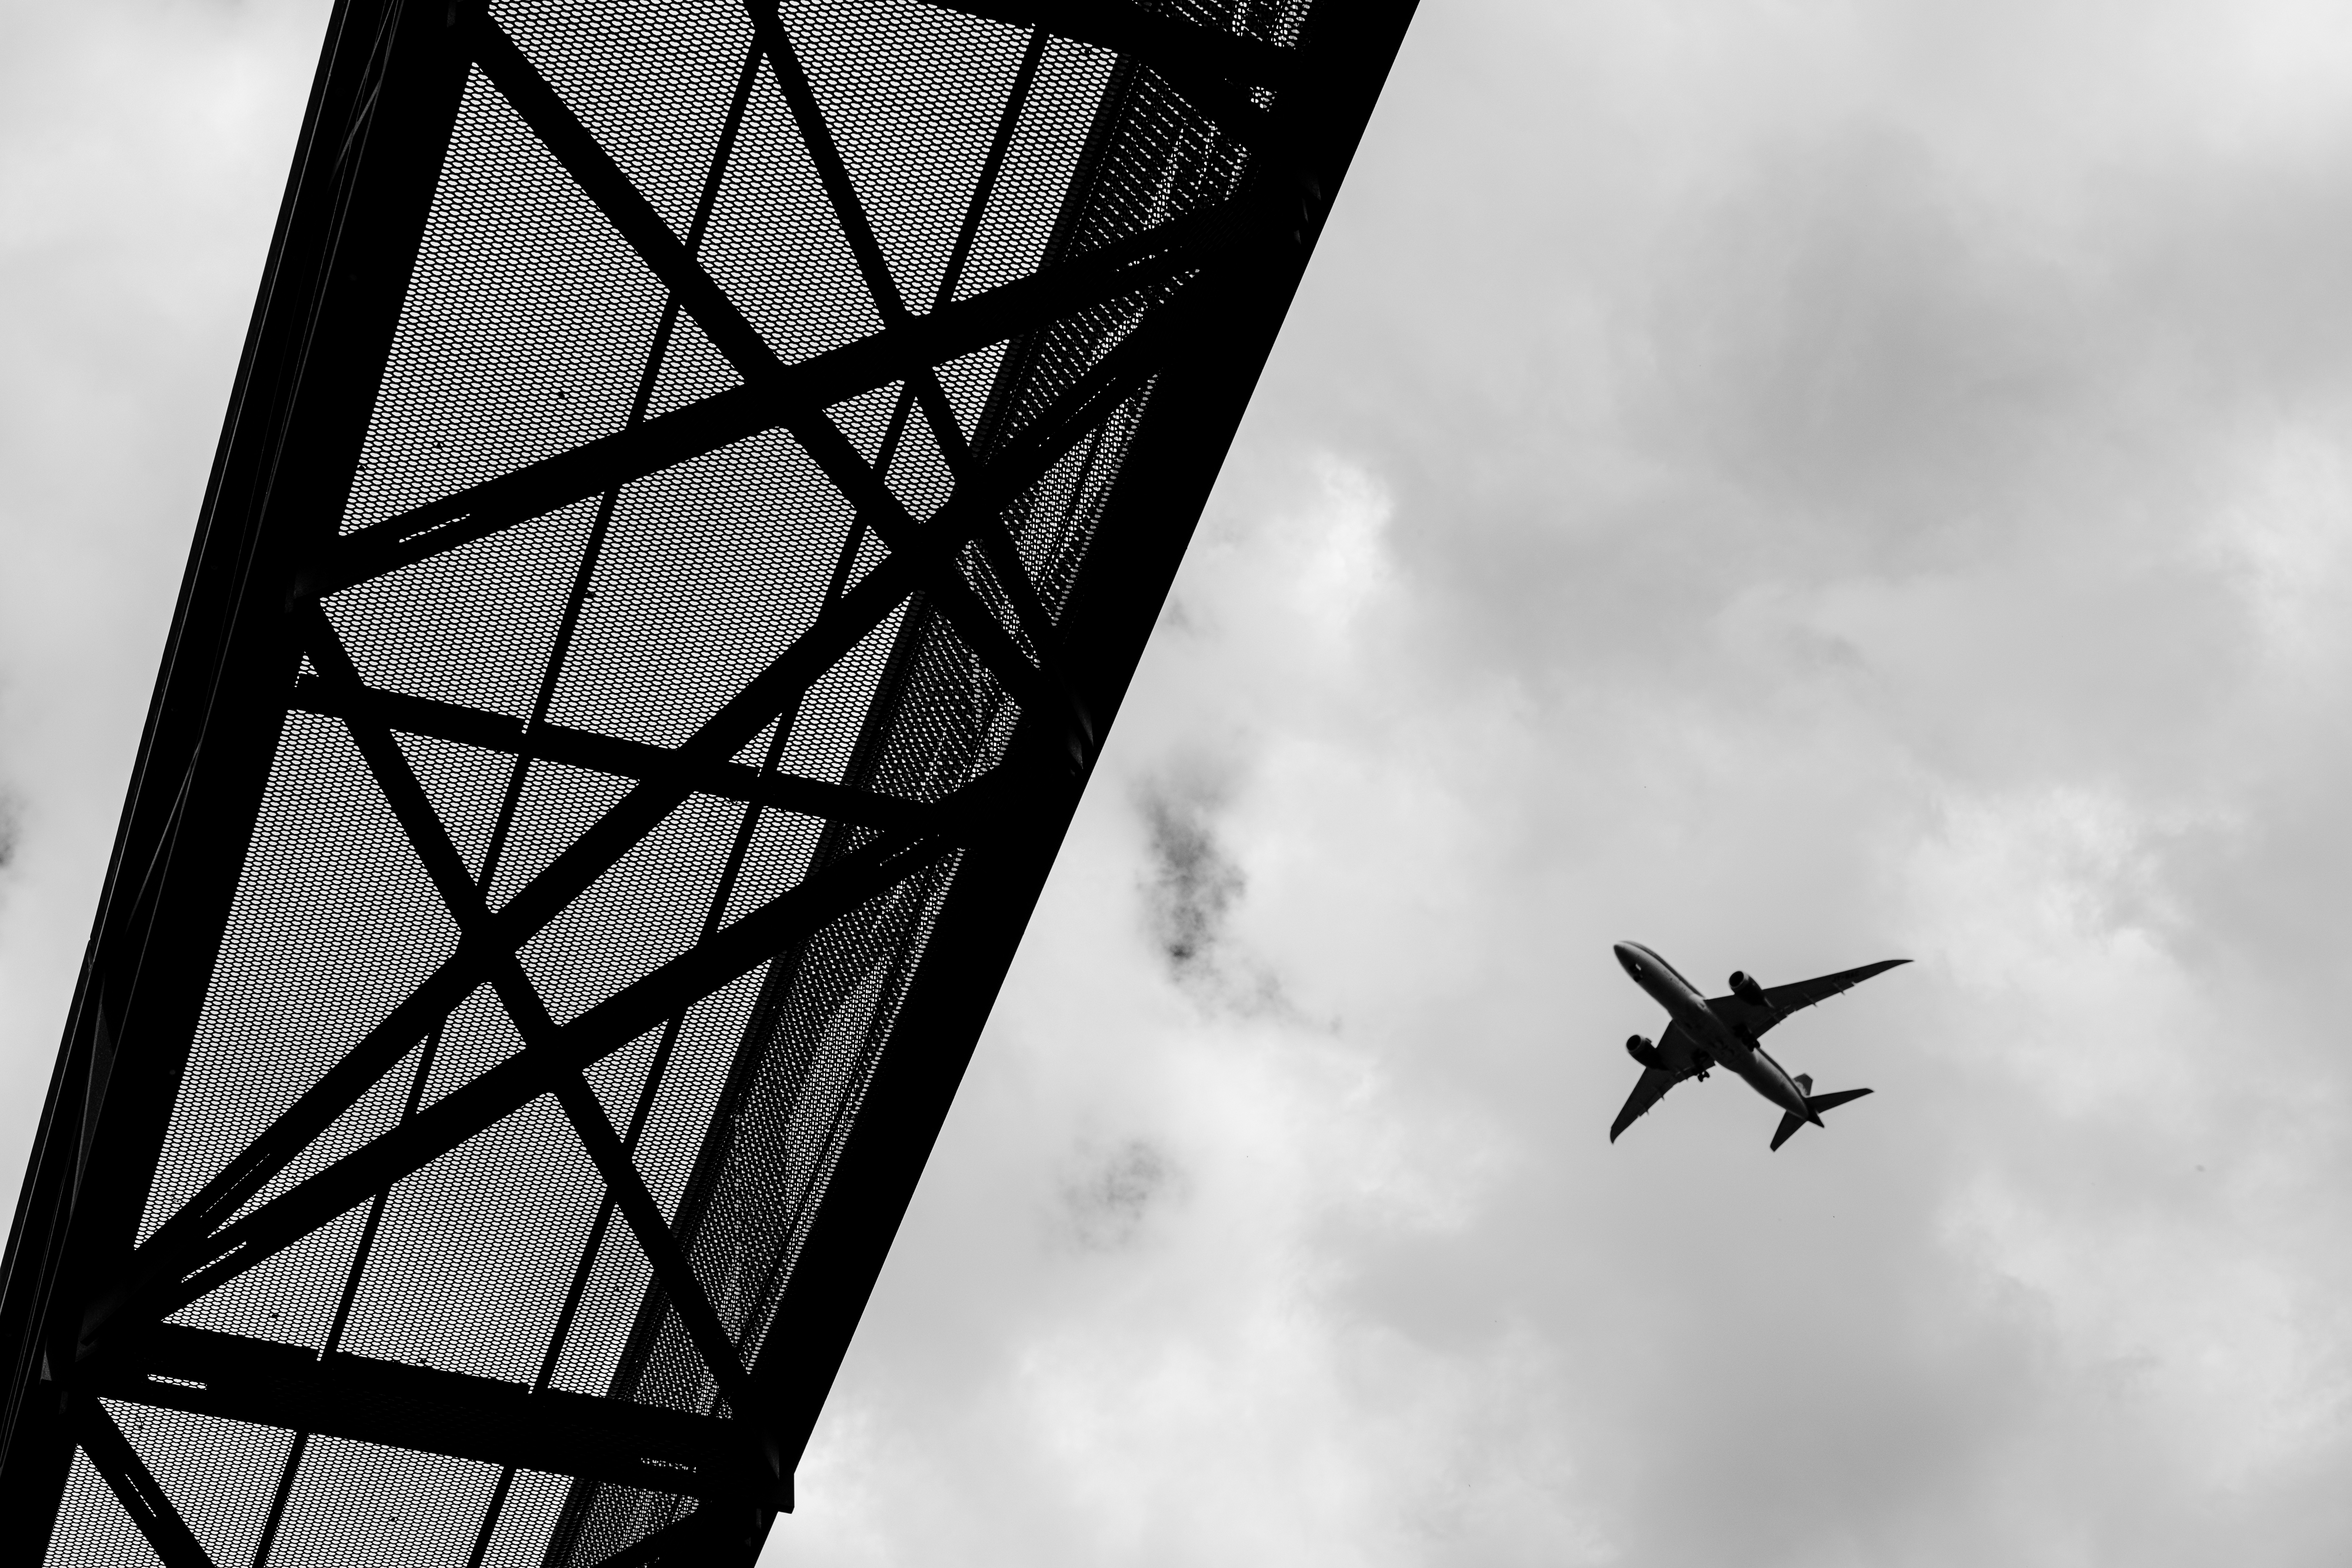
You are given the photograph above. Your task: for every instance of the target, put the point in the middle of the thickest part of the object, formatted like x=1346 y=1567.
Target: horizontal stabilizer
x=1814 y=1105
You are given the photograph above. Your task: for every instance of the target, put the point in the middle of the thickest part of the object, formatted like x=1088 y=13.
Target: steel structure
x=698 y=487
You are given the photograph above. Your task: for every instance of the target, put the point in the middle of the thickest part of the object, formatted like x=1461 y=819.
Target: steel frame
x=83 y=1310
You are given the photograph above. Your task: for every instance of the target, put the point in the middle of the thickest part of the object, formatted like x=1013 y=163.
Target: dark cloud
x=1194 y=884
x=1193 y=890
x=1114 y=1193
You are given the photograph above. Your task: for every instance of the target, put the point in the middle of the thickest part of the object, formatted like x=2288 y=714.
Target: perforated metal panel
x=698 y=488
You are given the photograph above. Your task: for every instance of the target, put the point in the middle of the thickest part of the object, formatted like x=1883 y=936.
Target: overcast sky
x=1794 y=485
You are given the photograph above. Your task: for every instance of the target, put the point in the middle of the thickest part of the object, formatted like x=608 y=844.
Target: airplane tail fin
x=1814 y=1105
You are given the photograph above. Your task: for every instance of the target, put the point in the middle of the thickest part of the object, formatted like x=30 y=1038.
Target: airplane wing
x=1790 y=998
x=1653 y=1087
x=1675 y=1053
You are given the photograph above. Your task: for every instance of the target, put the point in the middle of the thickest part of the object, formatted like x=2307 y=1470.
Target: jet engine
x=1744 y=986
x=1642 y=1051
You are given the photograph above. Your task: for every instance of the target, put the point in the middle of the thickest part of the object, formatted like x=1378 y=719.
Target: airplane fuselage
x=1726 y=1045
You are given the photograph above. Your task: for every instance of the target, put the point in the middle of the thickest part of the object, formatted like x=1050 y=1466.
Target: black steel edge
x=391 y=1403
x=1169 y=43
x=380 y=112
x=1196 y=413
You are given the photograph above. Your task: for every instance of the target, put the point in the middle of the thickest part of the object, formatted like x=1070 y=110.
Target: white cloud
x=1798 y=486
x=2049 y=918
x=2239 y=1360
x=2285 y=536
x=1335 y=555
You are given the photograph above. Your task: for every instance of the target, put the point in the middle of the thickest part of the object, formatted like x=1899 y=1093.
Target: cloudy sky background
x=1794 y=485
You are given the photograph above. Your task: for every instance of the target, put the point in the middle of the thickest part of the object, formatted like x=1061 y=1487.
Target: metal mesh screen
x=756 y=396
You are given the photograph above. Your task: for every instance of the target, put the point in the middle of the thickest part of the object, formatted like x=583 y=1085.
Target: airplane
x=1706 y=1032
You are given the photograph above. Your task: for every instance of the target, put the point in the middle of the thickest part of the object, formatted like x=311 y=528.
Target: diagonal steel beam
x=1093 y=398
x=992 y=169
x=295 y=1129
x=463 y=896
x=833 y=172
x=732 y=333
x=1169 y=44
x=1213 y=70
x=837 y=629
x=672 y=1269
x=611 y=754
x=623 y=206
x=848 y=209
x=1038 y=690
x=604 y=1028
x=1147 y=261
x=237 y=1378
x=537 y=903
x=136 y=1489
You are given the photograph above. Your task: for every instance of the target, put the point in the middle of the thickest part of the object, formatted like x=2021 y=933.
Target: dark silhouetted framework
x=698 y=487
